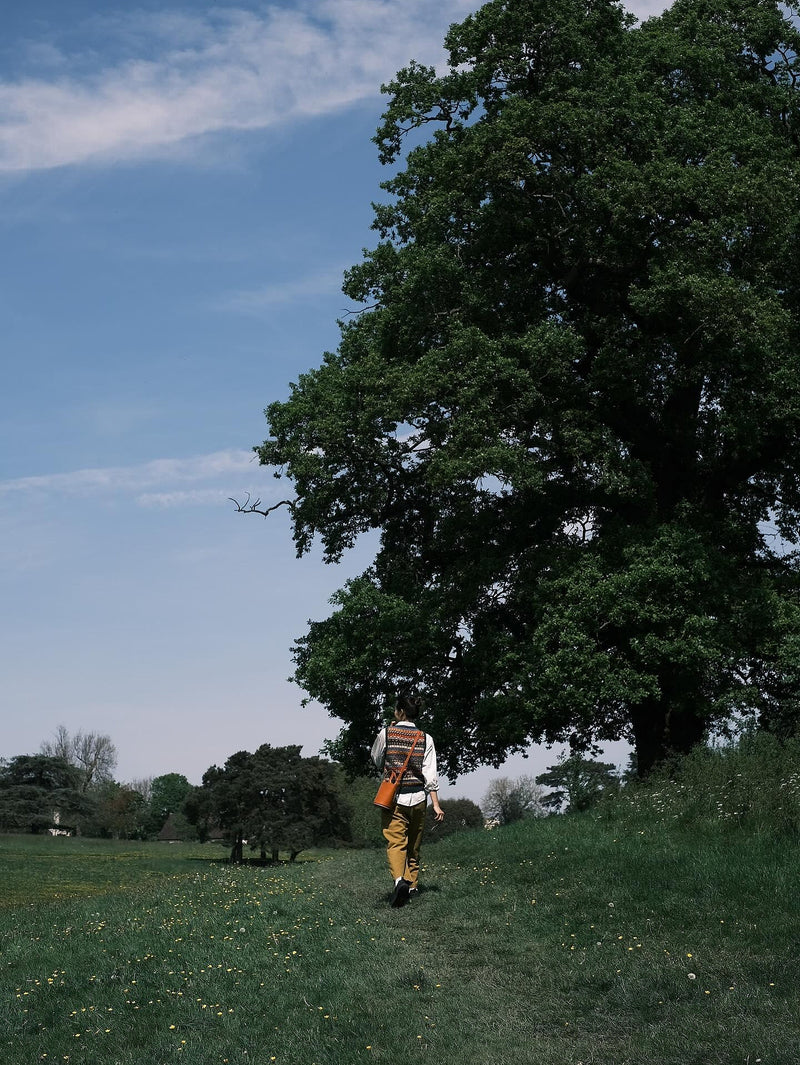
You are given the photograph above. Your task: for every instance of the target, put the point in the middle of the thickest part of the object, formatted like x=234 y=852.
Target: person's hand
x=438 y=812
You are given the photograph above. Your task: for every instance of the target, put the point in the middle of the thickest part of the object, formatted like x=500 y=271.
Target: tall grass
x=753 y=784
x=564 y=941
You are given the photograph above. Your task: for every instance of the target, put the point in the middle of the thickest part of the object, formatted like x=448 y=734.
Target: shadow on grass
x=385 y=900
x=251 y=863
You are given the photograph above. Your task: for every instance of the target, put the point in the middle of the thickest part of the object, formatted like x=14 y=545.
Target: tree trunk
x=236 y=850
x=661 y=732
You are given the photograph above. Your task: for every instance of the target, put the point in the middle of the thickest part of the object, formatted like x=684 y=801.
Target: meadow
x=600 y=938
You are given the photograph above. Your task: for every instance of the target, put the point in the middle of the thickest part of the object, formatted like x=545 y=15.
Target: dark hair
x=410 y=703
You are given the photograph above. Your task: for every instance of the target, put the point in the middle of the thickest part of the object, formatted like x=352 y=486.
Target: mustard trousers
x=402 y=830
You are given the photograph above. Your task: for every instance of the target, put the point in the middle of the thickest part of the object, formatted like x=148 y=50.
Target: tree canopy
x=119 y=812
x=577 y=783
x=570 y=403
x=168 y=793
x=272 y=799
x=39 y=792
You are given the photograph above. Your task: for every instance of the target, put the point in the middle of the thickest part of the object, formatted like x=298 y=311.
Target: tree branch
x=255 y=507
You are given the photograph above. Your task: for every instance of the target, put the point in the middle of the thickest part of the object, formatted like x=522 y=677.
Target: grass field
x=567 y=941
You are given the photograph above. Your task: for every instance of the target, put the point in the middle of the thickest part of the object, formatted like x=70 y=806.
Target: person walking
x=403 y=826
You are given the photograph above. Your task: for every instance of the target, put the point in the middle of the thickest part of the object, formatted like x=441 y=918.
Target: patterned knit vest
x=398 y=743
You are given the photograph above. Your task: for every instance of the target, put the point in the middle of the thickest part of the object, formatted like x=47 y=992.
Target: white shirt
x=429 y=770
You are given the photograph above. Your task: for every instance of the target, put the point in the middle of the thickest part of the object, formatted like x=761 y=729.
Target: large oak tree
x=570 y=402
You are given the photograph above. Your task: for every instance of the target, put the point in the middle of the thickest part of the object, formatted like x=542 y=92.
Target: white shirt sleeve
x=429 y=771
x=379 y=749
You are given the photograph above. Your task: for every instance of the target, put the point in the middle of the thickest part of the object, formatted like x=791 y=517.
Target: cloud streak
x=324 y=283
x=144 y=480
x=191 y=76
x=179 y=498
x=236 y=70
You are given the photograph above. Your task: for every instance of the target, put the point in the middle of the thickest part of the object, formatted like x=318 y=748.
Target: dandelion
x=692 y=976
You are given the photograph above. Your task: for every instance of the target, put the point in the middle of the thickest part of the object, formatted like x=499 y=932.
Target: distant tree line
x=263 y=804
x=68 y=787
x=574 y=784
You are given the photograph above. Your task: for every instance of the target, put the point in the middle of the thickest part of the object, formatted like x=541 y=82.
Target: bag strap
x=408 y=756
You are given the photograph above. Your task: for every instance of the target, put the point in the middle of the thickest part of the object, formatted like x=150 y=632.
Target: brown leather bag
x=387 y=792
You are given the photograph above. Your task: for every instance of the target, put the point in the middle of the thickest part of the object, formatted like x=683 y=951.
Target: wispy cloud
x=194 y=498
x=159 y=483
x=190 y=76
x=324 y=283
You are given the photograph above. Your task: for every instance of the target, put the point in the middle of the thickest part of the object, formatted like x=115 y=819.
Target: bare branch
x=60 y=746
x=255 y=507
x=91 y=752
x=359 y=310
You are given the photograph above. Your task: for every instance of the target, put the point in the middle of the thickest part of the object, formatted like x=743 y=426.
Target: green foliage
x=168 y=793
x=459 y=814
x=753 y=784
x=571 y=404
x=577 y=782
x=356 y=796
x=119 y=813
x=273 y=799
x=39 y=792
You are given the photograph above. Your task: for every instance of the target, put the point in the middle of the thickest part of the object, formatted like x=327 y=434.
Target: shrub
x=753 y=782
x=459 y=814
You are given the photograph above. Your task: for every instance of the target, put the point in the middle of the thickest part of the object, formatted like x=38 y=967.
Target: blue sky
x=181 y=188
